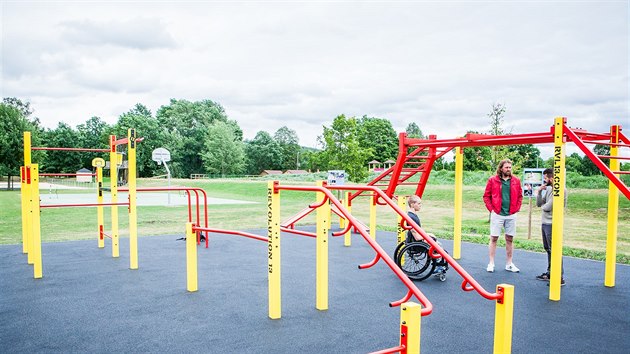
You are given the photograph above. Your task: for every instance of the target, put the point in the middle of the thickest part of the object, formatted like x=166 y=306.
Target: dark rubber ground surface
x=90 y=302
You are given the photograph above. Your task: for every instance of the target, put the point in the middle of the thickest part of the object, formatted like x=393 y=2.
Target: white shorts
x=498 y=222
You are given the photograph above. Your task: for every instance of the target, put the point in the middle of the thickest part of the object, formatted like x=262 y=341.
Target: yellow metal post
x=273 y=259
x=321 y=276
x=31 y=207
x=347 y=238
x=373 y=217
x=99 y=163
x=24 y=193
x=558 y=210
x=410 y=320
x=133 y=215
x=457 y=222
x=613 y=212
x=36 y=239
x=113 y=184
x=400 y=231
x=503 y=320
x=191 y=258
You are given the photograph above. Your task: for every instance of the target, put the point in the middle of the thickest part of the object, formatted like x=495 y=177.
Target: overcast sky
x=440 y=64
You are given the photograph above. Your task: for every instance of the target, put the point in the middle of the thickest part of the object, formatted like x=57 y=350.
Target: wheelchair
x=414 y=260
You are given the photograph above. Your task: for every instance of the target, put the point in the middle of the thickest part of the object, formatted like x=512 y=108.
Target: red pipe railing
x=81 y=205
x=231 y=232
x=69 y=149
x=381 y=254
x=66 y=174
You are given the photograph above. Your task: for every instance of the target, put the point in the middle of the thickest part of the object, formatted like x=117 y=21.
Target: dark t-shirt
x=416 y=219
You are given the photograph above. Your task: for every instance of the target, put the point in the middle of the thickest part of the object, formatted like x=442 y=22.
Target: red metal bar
x=122 y=141
x=621 y=172
x=398 y=349
x=81 y=205
x=297 y=232
x=66 y=174
x=608 y=157
x=69 y=149
x=606 y=143
x=231 y=232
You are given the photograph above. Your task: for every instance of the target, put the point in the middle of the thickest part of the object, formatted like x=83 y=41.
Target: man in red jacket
x=503 y=197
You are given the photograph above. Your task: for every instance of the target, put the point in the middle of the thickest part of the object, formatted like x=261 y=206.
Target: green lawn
x=584 y=236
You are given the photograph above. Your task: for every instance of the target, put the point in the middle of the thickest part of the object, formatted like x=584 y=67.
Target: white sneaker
x=512 y=268
x=490 y=267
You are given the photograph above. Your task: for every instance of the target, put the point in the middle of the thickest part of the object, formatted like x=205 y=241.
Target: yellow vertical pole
x=36 y=239
x=613 y=212
x=321 y=276
x=113 y=183
x=459 y=183
x=191 y=258
x=503 y=320
x=273 y=247
x=31 y=206
x=558 y=210
x=410 y=320
x=400 y=231
x=99 y=163
x=24 y=193
x=373 y=217
x=347 y=238
x=133 y=215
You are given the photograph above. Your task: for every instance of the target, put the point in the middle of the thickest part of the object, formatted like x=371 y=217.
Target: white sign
x=161 y=155
x=532 y=179
x=336 y=177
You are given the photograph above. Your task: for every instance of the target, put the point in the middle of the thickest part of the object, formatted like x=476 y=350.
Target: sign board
x=532 y=179
x=336 y=177
x=160 y=155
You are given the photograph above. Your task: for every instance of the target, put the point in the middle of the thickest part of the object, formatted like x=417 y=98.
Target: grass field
x=584 y=236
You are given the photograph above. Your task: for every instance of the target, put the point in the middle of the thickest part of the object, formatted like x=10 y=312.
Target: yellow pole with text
x=24 y=193
x=347 y=238
x=459 y=183
x=557 y=215
x=503 y=320
x=191 y=259
x=373 y=217
x=133 y=215
x=321 y=276
x=273 y=247
x=400 y=231
x=410 y=320
x=113 y=184
x=613 y=212
x=99 y=163
x=36 y=238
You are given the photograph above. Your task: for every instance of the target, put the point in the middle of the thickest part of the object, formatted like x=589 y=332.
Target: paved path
x=90 y=302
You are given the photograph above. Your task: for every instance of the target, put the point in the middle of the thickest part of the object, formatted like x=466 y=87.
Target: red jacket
x=492 y=195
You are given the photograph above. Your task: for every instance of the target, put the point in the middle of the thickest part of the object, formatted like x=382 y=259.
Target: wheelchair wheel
x=398 y=248
x=414 y=260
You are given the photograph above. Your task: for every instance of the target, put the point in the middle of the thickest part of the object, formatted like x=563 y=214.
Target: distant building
x=270 y=172
x=84 y=175
x=375 y=165
x=295 y=172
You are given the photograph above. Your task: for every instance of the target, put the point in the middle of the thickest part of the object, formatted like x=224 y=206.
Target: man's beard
x=506 y=174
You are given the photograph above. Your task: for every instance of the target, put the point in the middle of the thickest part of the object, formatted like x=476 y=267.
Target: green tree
x=224 y=152
x=263 y=153
x=497 y=118
x=525 y=155
x=288 y=141
x=477 y=158
x=342 y=149
x=377 y=135
x=13 y=123
x=93 y=134
x=63 y=161
x=413 y=131
x=588 y=167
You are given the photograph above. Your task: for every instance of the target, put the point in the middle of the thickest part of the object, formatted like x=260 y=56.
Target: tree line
x=202 y=139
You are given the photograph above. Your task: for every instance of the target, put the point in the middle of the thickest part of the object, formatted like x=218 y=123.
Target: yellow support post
x=133 y=215
x=613 y=212
x=558 y=210
x=503 y=320
x=347 y=238
x=31 y=207
x=321 y=276
x=400 y=231
x=459 y=183
x=24 y=193
x=373 y=217
x=113 y=184
x=273 y=259
x=36 y=239
x=410 y=320
x=99 y=163
x=191 y=258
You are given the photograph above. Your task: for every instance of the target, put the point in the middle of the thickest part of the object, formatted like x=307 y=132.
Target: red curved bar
x=231 y=232
x=317 y=205
x=401 y=301
x=342 y=232
x=298 y=232
x=398 y=349
x=371 y=264
x=466 y=287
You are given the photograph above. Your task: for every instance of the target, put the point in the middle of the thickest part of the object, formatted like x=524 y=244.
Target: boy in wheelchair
x=412 y=255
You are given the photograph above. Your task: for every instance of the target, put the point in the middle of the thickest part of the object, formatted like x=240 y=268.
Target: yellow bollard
x=410 y=320
x=133 y=215
x=503 y=319
x=457 y=222
x=273 y=262
x=347 y=238
x=99 y=163
x=613 y=213
x=191 y=258
x=113 y=183
x=321 y=276
x=400 y=231
x=373 y=217
x=558 y=210
x=25 y=193
x=35 y=247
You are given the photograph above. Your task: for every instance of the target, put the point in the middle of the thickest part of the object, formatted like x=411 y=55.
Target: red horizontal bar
x=81 y=205
x=613 y=157
x=603 y=143
x=231 y=232
x=120 y=142
x=298 y=232
x=397 y=349
x=67 y=174
x=106 y=235
x=621 y=172
x=69 y=149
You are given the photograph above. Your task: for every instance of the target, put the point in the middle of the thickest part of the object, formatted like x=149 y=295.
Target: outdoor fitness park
x=236 y=324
